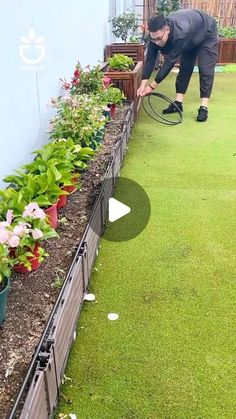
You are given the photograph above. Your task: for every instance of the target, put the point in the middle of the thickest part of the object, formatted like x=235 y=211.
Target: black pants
x=206 y=55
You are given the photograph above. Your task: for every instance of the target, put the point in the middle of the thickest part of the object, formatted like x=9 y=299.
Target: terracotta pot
x=51 y=212
x=34 y=261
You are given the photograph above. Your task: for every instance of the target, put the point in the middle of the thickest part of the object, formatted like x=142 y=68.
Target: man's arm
x=170 y=60
x=150 y=60
x=148 y=69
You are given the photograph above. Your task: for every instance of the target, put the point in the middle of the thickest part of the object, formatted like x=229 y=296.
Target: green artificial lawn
x=228 y=68
x=172 y=352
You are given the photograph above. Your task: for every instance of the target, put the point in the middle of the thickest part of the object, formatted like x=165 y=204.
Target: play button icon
x=117 y=210
x=127 y=209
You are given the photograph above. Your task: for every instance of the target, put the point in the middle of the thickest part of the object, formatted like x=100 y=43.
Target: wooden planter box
x=227 y=50
x=127 y=81
x=135 y=51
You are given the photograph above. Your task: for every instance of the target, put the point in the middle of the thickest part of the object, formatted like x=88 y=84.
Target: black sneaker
x=202 y=114
x=173 y=108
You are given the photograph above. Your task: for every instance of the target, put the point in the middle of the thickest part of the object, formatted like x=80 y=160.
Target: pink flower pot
x=51 y=212
x=34 y=261
x=62 y=201
x=113 y=110
x=71 y=188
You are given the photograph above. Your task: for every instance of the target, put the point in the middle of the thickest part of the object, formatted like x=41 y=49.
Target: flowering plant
x=79 y=117
x=20 y=233
x=88 y=80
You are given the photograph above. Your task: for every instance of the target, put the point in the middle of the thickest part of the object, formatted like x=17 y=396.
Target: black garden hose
x=161 y=119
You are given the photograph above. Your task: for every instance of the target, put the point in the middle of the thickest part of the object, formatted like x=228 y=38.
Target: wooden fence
x=223 y=10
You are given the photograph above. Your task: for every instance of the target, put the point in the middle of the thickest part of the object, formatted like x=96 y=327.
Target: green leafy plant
x=58 y=282
x=114 y=95
x=164 y=7
x=227 y=32
x=41 y=188
x=124 y=25
x=6 y=262
x=120 y=62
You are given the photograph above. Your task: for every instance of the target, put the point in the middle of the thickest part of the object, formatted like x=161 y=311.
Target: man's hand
x=146 y=90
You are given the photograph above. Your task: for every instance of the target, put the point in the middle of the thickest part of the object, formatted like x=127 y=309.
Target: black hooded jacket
x=189 y=28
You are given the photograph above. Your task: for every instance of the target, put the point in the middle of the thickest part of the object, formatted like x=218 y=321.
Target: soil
x=32 y=296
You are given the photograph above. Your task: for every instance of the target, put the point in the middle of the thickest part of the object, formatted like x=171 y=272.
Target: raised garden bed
x=37 y=304
x=127 y=81
x=227 y=51
x=135 y=51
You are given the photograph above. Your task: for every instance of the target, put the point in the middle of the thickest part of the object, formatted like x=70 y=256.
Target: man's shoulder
x=186 y=13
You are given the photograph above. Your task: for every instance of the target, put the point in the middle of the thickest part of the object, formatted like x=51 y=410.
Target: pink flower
x=37 y=234
x=14 y=241
x=20 y=229
x=65 y=84
x=4 y=224
x=33 y=210
x=4 y=236
x=106 y=81
x=75 y=81
x=76 y=74
x=9 y=216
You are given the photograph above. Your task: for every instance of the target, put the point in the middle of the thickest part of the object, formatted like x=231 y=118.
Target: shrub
x=124 y=25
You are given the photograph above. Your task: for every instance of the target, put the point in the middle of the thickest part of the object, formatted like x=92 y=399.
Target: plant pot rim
x=7 y=284
x=105 y=64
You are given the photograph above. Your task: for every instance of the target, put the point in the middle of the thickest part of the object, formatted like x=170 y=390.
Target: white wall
x=72 y=30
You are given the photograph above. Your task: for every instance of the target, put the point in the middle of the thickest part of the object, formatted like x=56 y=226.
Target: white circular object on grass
x=89 y=297
x=113 y=316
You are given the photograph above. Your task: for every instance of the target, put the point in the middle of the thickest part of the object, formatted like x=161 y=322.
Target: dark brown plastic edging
x=46 y=370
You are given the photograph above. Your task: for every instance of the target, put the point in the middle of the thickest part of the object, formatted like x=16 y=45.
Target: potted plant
x=69 y=156
x=227 y=45
x=114 y=96
x=120 y=62
x=23 y=235
x=6 y=263
x=164 y=7
x=41 y=188
x=127 y=80
x=125 y=27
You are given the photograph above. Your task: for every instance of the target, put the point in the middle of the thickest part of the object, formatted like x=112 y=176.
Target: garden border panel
x=64 y=322
x=54 y=346
x=51 y=382
x=36 y=404
x=92 y=236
